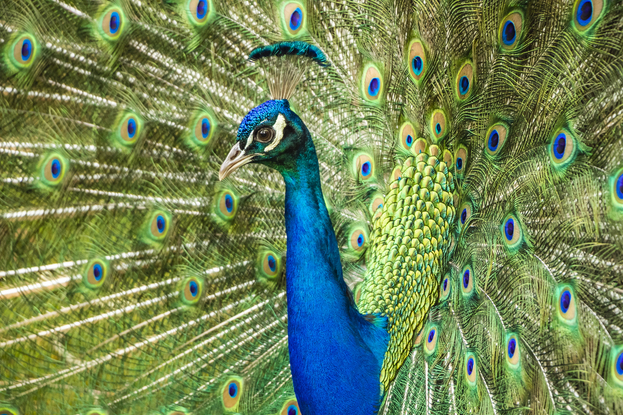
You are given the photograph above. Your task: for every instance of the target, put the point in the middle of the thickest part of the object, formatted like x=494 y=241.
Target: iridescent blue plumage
x=330 y=342
x=295 y=48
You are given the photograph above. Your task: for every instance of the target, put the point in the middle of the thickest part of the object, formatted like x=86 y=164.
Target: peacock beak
x=235 y=159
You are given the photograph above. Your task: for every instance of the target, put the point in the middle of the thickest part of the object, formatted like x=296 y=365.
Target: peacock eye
x=290 y=407
x=24 y=49
x=510 y=30
x=264 y=134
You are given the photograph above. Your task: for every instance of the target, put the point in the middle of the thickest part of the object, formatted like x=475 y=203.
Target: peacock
x=311 y=207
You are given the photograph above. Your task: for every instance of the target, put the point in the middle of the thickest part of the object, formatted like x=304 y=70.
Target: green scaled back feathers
x=470 y=156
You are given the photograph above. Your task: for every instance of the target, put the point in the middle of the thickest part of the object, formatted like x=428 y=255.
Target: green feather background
x=103 y=232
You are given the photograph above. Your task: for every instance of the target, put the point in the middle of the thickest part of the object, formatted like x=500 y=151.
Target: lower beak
x=235 y=159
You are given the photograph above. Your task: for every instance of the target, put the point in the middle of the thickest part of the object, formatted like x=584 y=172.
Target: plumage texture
x=133 y=281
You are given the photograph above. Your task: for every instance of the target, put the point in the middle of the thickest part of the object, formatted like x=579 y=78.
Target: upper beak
x=235 y=159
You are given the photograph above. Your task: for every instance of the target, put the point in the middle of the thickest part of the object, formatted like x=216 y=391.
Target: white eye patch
x=279 y=126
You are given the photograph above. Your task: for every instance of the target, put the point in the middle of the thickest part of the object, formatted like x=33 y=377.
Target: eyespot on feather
x=566 y=305
x=444 y=288
x=290 y=407
x=191 y=291
x=464 y=81
x=232 y=390
x=430 y=342
x=227 y=205
x=202 y=127
x=112 y=23
x=128 y=130
x=52 y=170
x=586 y=13
x=363 y=166
x=563 y=149
x=8 y=410
x=512 y=233
x=616 y=365
x=358 y=238
x=95 y=273
x=294 y=18
x=510 y=30
x=495 y=139
x=417 y=60
x=616 y=189
x=467 y=281
x=465 y=213
x=23 y=52
x=158 y=226
x=438 y=125
x=376 y=203
x=198 y=11
x=461 y=160
x=471 y=368
x=268 y=264
x=512 y=350
x=372 y=83
x=406 y=136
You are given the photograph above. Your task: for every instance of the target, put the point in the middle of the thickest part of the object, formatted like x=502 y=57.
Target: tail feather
x=131 y=280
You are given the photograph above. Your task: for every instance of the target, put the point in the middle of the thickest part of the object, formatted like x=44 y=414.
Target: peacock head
x=270 y=134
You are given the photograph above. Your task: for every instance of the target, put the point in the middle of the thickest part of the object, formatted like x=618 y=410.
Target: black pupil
x=292 y=411
x=25 y=50
x=204 y=128
x=201 y=7
x=459 y=163
x=431 y=336
x=586 y=11
x=232 y=390
x=463 y=215
x=511 y=348
x=445 y=284
x=54 y=169
x=560 y=145
x=464 y=83
x=96 y=272
x=509 y=31
x=510 y=228
x=228 y=203
x=494 y=139
x=566 y=300
x=130 y=128
x=113 y=22
x=418 y=63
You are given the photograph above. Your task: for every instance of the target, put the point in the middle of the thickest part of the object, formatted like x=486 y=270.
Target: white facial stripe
x=249 y=140
x=279 y=125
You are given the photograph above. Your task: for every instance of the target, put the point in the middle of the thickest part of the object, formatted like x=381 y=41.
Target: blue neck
x=335 y=353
